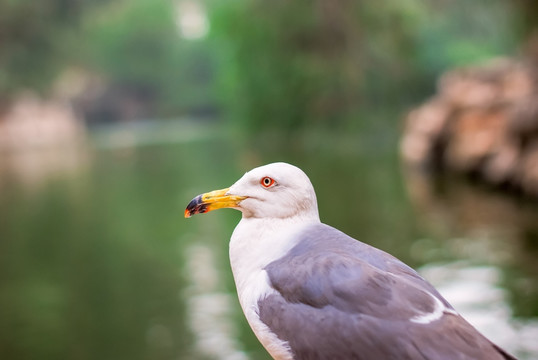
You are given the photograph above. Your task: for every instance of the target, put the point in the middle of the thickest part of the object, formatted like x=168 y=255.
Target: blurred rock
x=40 y=138
x=34 y=123
x=423 y=131
x=483 y=121
x=528 y=176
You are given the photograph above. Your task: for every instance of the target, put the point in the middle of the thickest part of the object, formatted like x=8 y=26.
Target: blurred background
x=416 y=121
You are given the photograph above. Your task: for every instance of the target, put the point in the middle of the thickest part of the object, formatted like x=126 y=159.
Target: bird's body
x=310 y=291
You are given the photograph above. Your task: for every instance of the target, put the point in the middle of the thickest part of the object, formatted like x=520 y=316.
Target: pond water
x=97 y=261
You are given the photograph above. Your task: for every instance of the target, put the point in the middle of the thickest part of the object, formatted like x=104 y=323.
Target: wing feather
x=338 y=298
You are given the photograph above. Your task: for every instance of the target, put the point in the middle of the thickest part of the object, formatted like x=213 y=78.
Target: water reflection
x=492 y=236
x=209 y=308
x=102 y=264
x=484 y=226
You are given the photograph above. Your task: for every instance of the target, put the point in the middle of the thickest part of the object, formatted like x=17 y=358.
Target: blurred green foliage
x=330 y=63
x=136 y=46
x=35 y=41
x=302 y=63
x=281 y=65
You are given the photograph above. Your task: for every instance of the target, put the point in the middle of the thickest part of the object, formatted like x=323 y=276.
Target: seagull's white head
x=277 y=190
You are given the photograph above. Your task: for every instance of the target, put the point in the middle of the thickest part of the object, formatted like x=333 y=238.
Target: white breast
x=256 y=243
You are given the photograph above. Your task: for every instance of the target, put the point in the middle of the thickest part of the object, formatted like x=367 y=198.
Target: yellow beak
x=213 y=200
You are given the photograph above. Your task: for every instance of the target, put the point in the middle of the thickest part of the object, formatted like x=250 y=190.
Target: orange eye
x=267 y=182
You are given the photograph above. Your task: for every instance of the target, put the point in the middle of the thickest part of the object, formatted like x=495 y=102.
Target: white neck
x=256 y=242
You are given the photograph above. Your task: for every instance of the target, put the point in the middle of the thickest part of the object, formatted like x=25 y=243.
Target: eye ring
x=267 y=182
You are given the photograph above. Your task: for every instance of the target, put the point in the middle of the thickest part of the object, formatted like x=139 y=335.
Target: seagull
x=309 y=291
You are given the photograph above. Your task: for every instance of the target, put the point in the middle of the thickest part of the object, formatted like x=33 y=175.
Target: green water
x=99 y=263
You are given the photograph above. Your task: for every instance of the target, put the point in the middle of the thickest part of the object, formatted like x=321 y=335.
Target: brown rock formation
x=483 y=121
x=40 y=139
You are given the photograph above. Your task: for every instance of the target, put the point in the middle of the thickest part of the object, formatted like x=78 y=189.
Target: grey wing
x=337 y=298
